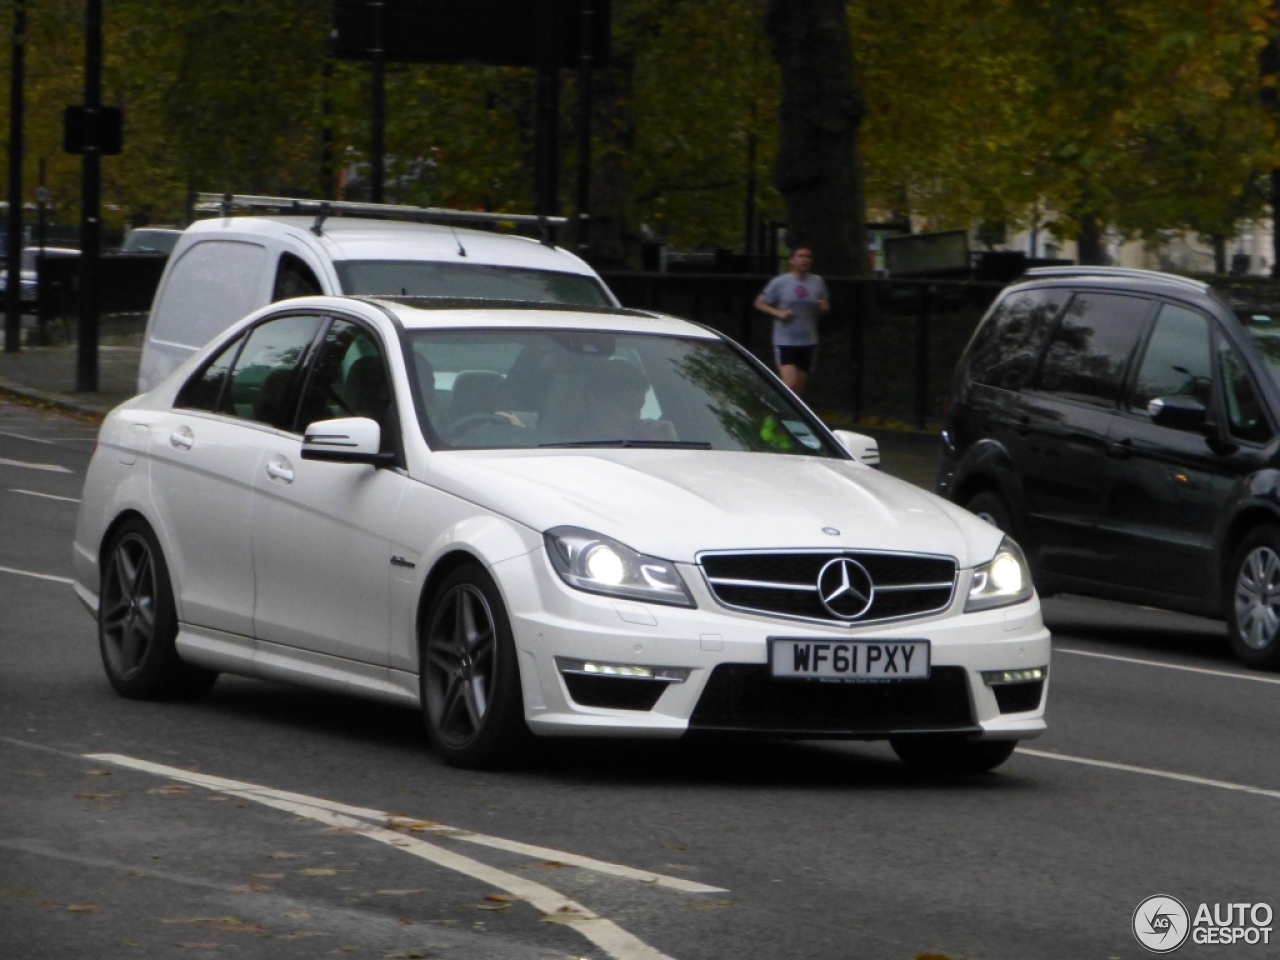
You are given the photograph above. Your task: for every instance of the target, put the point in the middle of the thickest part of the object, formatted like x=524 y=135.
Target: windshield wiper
x=651 y=444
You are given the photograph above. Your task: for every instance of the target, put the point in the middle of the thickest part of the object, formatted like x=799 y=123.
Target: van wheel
x=951 y=756
x=991 y=508
x=1253 y=602
x=469 y=680
x=138 y=622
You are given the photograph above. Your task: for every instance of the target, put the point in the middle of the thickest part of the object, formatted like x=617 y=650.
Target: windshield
x=571 y=388
x=434 y=278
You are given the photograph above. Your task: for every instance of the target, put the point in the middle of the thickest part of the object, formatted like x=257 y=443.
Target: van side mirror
x=1178 y=413
x=348 y=440
x=862 y=448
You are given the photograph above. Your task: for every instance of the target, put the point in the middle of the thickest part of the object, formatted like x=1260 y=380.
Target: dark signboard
x=499 y=32
x=102 y=128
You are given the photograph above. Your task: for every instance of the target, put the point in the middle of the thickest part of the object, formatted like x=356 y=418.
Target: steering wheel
x=471 y=421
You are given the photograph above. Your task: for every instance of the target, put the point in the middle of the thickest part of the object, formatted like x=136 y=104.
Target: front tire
x=951 y=756
x=138 y=622
x=991 y=508
x=1253 y=599
x=469 y=680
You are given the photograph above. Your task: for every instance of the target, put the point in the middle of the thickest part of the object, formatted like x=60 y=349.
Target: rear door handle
x=280 y=470
x=182 y=437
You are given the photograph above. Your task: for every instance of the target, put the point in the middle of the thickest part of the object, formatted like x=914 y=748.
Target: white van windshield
x=432 y=278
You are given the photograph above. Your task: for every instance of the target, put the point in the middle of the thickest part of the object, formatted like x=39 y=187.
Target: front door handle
x=182 y=437
x=280 y=470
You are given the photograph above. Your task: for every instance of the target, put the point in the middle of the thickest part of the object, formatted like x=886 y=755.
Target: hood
x=674 y=504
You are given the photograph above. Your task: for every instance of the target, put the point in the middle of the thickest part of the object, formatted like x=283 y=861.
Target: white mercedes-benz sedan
x=559 y=520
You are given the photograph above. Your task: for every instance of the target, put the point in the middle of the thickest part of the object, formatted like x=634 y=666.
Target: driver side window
x=1176 y=362
x=349 y=379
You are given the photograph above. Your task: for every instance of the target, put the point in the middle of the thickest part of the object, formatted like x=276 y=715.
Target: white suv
x=224 y=268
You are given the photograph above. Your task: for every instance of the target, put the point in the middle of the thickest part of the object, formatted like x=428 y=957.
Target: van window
x=1176 y=362
x=1005 y=348
x=1090 y=350
x=434 y=278
x=211 y=286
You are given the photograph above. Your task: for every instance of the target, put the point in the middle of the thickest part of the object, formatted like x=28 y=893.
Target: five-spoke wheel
x=1253 y=607
x=137 y=622
x=469 y=680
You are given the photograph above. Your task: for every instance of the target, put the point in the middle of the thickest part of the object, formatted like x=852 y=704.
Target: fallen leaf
x=82 y=908
x=323 y=871
x=99 y=796
x=344 y=949
x=225 y=924
x=130 y=872
x=503 y=898
x=674 y=846
x=447 y=922
x=281 y=855
x=268 y=876
x=171 y=790
x=298 y=915
x=36 y=774
x=199 y=946
x=97 y=773
x=250 y=888
x=676 y=867
x=303 y=934
x=552 y=863
x=489 y=906
x=410 y=955
x=405 y=922
x=402 y=893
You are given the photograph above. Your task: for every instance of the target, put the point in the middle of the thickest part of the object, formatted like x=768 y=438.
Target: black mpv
x=1121 y=425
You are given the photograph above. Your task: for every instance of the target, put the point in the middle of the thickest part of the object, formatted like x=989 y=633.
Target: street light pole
x=90 y=200
x=13 y=287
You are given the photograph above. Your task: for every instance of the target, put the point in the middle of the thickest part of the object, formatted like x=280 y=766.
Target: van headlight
x=599 y=564
x=1004 y=580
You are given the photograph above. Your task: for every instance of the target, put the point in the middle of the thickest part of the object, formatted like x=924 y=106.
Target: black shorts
x=803 y=357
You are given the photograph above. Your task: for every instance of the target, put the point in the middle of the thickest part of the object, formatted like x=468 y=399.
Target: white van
x=225 y=268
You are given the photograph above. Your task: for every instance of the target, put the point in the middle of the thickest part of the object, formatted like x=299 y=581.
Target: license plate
x=849 y=661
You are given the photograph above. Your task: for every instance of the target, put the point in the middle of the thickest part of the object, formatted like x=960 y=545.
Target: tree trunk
x=1089 y=246
x=818 y=170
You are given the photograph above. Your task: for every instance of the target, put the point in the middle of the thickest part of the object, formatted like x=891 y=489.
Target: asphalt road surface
x=270 y=822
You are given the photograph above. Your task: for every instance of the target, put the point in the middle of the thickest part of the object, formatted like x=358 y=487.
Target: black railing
x=888 y=346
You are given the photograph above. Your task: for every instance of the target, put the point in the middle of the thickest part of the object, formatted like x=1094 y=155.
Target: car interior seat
x=477 y=391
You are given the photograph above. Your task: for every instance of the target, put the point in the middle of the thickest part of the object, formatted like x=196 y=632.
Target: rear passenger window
x=1004 y=350
x=262 y=386
x=1176 y=362
x=1090 y=350
x=204 y=390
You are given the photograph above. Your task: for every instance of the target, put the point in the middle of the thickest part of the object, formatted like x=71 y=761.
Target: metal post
x=90 y=200
x=749 y=247
x=378 y=109
x=546 y=135
x=328 y=180
x=13 y=287
x=922 y=356
x=584 y=132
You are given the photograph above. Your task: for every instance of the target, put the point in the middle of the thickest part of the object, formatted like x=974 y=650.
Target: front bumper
x=722 y=656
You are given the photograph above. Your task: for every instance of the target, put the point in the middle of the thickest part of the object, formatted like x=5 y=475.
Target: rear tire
x=951 y=756
x=468 y=677
x=138 y=622
x=1253 y=599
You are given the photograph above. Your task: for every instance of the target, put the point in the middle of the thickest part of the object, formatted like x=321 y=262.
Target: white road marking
x=47 y=496
x=47 y=467
x=18 y=436
x=1148 y=772
x=1230 y=674
x=605 y=934
x=38 y=576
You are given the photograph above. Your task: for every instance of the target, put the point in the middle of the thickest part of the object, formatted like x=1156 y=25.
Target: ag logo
x=1161 y=924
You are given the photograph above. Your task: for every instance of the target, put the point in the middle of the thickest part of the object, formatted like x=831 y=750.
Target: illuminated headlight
x=998 y=678
x=599 y=564
x=1004 y=580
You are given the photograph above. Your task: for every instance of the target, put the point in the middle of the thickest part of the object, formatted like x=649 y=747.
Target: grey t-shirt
x=801 y=297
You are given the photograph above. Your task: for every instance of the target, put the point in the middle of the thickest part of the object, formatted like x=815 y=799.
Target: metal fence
x=888 y=346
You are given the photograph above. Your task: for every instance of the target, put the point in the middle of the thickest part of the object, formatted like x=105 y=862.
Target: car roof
x=356 y=238
x=421 y=313
x=1120 y=280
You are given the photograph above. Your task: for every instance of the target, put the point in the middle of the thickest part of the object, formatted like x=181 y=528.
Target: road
x=268 y=822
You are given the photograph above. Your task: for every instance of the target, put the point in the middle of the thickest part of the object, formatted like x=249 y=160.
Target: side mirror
x=1178 y=413
x=348 y=440
x=862 y=448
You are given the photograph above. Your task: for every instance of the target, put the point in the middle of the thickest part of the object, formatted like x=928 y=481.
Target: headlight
x=598 y=564
x=1005 y=580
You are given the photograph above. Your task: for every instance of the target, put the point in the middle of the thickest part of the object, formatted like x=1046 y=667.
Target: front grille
x=741 y=696
x=617 y=693
x=1018 y=697
x=786 y=584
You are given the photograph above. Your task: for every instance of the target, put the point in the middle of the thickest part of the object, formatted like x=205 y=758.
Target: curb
x=32 y=396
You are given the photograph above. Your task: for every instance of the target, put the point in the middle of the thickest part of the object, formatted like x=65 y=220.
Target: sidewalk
x=46 y=376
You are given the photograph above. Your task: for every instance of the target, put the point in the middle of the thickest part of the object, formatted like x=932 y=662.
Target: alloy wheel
x=129 y=605
x=461 y=665
x=1257 y=598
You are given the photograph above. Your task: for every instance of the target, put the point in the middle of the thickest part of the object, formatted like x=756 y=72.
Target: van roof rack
x=1130 y=272
x=228 y=203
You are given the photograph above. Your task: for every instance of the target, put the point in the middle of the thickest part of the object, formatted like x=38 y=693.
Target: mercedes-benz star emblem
x=845 y=588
